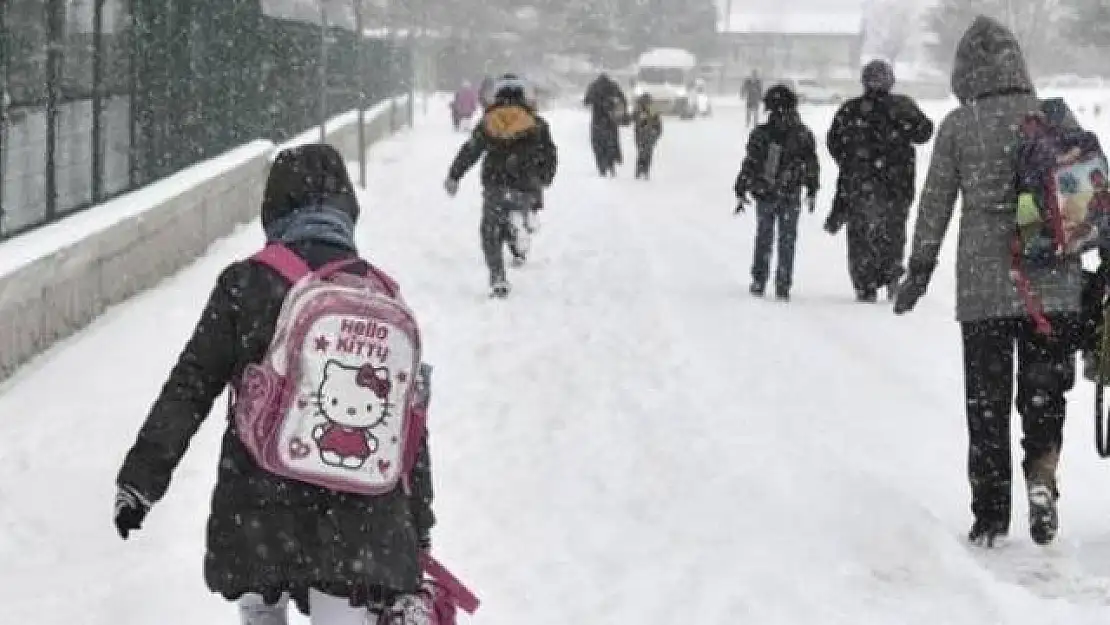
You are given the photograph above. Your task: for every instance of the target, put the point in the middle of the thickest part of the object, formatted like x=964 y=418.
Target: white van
x=667 y=74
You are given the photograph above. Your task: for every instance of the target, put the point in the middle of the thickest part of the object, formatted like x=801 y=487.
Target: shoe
x=1044 y=522
x=867 y=296
x=519 y=260
x=986 y=533
x=757 y=289
x=782 y=295
x=499 y=288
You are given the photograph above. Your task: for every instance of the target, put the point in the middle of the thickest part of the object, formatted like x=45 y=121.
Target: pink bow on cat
x=374 y=378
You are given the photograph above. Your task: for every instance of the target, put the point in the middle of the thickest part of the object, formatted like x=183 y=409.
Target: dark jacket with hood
x=647 y=124
x=872 y=140
x=267 y=534
x=780 y=178
x=974 y=158
x=520 y=153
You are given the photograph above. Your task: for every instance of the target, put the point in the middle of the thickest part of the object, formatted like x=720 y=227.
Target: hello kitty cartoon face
x=355 y=397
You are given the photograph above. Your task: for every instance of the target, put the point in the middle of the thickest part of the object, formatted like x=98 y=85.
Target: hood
x=988 y=62
x=509 y=122
x=308 y=178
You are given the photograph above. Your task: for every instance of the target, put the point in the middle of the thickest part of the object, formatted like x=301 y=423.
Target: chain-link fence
x=98 y=97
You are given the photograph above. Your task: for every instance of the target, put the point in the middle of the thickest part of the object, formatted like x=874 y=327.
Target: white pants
x=326 y=610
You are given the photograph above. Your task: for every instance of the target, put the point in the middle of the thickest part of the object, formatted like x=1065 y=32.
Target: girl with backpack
x=325 y=519
x=974 y=160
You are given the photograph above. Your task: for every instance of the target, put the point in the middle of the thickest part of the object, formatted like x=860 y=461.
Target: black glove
x=741 y=204
x=910 y=291
x=131 y=508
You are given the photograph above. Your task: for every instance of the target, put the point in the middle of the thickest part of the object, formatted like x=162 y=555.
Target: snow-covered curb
x=56 y=280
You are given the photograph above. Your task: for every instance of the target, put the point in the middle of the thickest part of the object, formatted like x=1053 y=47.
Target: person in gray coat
x=974 y=159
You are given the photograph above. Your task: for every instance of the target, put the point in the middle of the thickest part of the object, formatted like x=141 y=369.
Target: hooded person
x=648 y=126
x=872 y=140
x=973 y=159
x=520 y=161
x=608 y=107
x=780 y=163
x=271 y=539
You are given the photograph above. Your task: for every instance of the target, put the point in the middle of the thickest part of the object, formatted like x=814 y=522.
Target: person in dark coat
x=520 y=161
x=608 y=107
x=752 y=90
x=648 y=125
x=872 y=140
x=781 y=161
x=974 y=161
x=271 y=538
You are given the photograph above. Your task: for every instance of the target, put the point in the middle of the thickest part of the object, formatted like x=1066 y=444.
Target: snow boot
x=499 y=289
x=986 y=533
x=782 y=295
x=1044 y=521
x=757 y=289
x=867 y=296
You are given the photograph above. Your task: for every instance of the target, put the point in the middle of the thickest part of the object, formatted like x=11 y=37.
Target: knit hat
x=878 y=75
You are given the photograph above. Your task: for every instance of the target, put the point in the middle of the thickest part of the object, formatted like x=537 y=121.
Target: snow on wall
x=56 y=280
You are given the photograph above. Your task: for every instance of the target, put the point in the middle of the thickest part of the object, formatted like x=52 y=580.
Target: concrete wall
x=56 y=280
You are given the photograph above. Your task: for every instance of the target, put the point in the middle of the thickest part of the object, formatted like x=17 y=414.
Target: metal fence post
x=323 y=73
x=98 y=101
x=360 y=68
x=54 y=10
x=5 y=99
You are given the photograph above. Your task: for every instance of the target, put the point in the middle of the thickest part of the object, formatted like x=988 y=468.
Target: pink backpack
x=334 y=401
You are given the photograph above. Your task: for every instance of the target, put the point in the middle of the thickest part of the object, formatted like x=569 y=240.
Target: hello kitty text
x=363 y=339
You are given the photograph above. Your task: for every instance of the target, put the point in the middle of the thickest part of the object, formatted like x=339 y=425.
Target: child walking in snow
x=648 y=125
x=338 y=555
x=780 y=162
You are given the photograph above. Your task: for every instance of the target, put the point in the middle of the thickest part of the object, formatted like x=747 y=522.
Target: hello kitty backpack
x=335 y=400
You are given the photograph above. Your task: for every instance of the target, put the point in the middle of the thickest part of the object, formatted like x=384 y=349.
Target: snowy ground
x=629 y=439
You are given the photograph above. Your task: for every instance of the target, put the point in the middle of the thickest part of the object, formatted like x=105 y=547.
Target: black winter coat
x=520 y=153
x=797 y=166
x=872 y=140
x=648 y=126
x=267 y=534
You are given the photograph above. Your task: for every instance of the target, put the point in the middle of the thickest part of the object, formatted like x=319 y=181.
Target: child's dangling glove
x=451 y=186
x=131 y=508
x=741 y=203
x=811 y=202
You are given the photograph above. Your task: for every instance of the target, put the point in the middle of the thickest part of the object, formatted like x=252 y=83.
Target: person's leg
x=493 y=240
x=1046 y=372
x=859 y=257
x=254 y=611
x=329 y=610
x=988 y=349
x=787 y=217
x=764 y=241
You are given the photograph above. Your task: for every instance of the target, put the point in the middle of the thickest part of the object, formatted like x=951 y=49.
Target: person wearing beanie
x=781 y=161
x=872 y=140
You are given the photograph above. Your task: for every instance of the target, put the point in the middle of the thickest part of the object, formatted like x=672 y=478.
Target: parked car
x=815 y=92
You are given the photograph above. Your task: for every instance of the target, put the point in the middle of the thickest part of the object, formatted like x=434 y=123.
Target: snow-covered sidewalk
x=630 y=438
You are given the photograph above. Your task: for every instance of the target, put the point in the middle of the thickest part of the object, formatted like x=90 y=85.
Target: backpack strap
x=284 y=261
x=462 y=596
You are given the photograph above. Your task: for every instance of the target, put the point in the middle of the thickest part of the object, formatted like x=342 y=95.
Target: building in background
x=794 y=44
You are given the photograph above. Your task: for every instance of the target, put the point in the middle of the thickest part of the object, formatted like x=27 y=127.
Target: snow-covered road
x=630 y=438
